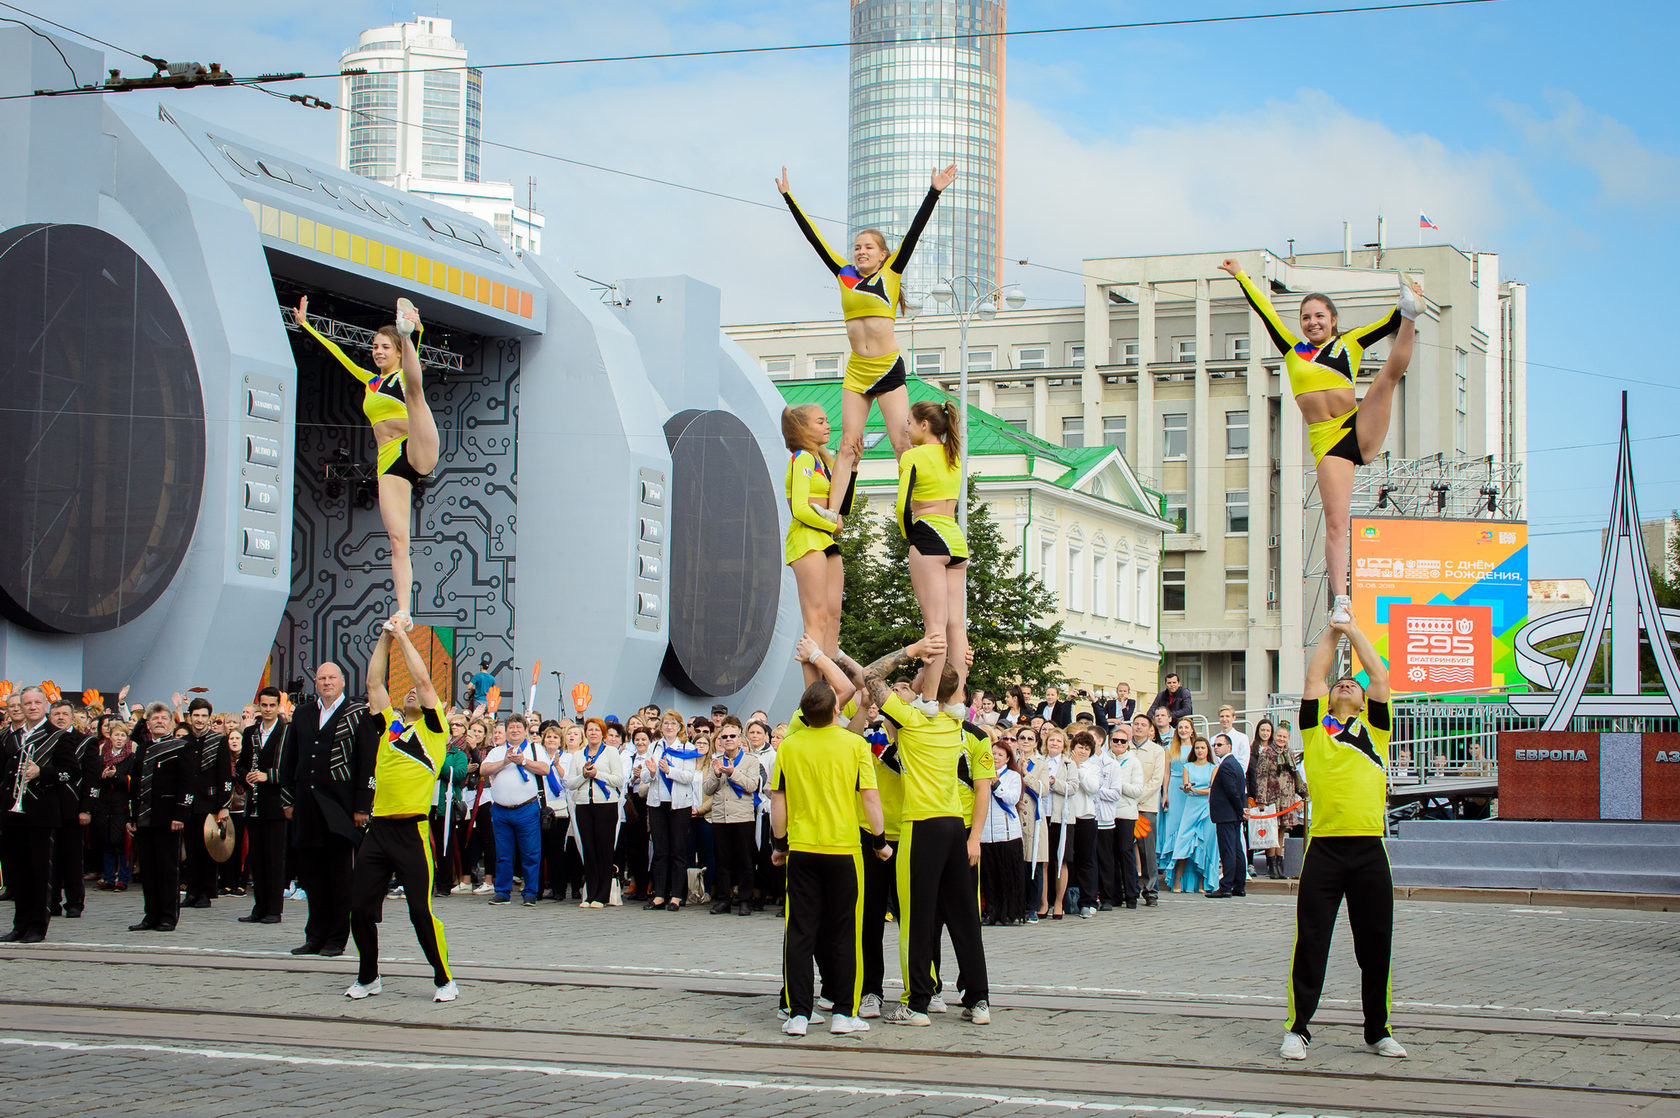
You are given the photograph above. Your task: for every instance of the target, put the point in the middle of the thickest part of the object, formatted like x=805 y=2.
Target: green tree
x=1007 y=607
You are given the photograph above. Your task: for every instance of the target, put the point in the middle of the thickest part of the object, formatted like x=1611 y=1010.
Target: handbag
x=1263 y=833
x=697 y=886
x=615 y=894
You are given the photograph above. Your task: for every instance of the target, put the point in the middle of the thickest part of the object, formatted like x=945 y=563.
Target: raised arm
x=874 y=674
x=829 y=257
x=379 y=698
x=301 y=317
x=807 y=651
x=900 y=258
x=416 y=668
x=1317 y=684
x=1282 y=336
x=1377 y=685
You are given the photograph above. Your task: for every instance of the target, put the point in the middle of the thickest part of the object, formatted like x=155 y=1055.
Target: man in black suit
x=31 y=763
x=209 y=764
x=157 y=816
x=1227 y=796
x=262 y=759
x=1118 y=711
x=1174 y=698
x=335 y=743
x=66 y=893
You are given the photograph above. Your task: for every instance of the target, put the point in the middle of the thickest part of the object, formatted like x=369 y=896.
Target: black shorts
x=403 y=468
x=1347 y=444
x=894 y=377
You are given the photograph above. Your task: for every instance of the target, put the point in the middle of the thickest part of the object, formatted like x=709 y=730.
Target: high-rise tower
x=927 y=90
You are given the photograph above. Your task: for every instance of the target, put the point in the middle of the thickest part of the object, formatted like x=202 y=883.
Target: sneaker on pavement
x=498 y=899
x=1389 y=1047
x=795 y=1026
x=936 y=1004
x=483 y=887
x=870 y=1006
x=358 y=990
x=1087 y=913
x=844 y=1023
x=825 y=1003
x=902 y=1014
x=815 y=1018
x=1294 y=1047
x=979 y=1013
x=446 y=993
x=463 y=887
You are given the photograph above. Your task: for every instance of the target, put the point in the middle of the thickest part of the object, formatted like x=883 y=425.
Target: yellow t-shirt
x=1346 y=768
x=975 y=764
x=930 y=750
x=821 y=771
x=406 y=766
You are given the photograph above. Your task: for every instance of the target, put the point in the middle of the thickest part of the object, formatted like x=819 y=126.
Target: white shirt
x=328 y=712
x=1239 y=745
x=1001 y=825
x=684 y=789
x=507 y=788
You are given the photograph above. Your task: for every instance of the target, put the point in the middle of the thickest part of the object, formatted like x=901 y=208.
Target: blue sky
x=1533 y=128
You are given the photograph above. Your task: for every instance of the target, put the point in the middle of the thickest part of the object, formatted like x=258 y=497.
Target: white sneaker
x=446 y=993
x=795 y=1026
x=955 y=710
x=979 y=1013
x=870 y=1006
x=1410 y=304
x=358 y=991
x=1294 y=1047
x=815 y=1018
x=936 y=1004
x=902 y=1014
x=843 y=1024
x=929 y=707
x=483 y=887
x=1389 y=1047
x=462 y=887
x=824 y=1003
x=1341 y=610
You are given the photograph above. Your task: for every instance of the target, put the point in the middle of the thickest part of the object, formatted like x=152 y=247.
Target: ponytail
x=945 y=421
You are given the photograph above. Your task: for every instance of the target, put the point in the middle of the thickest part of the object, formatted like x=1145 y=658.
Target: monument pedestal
x=1587 y=776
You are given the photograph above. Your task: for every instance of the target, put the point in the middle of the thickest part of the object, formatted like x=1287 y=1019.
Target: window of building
x=1172 y=589
x=1178 y=509
x=1145 y=594
x=1076 y=579
x=778 y=366
x=1047 y=564
x=1184 y=349
x=1175 y=436
x=1236 y=512
x=1031 y=357
x=1188 y=665
x=1461 y=401
x=1236 y=589
x=1099 y=585
x=1114 y=431
x=1239 y=674
x=1076 y=355
x=1239 y=347
x=982 y=360
x=1128 y=353
x=1236 y=434
x=827 y=365
x=1073 y=431
x=929 y=362
x=1122 y=589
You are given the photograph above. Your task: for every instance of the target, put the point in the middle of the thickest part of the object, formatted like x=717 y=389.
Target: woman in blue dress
x=1178 y=750
x=1196 y=847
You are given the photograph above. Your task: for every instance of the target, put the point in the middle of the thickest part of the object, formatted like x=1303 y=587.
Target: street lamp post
x=968 y=297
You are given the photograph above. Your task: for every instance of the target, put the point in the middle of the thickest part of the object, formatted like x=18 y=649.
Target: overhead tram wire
x=73 y=31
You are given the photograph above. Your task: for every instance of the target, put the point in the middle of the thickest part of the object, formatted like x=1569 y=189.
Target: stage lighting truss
x=359 y=337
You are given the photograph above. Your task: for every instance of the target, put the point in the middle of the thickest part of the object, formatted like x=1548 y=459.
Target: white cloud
x=1627 y=170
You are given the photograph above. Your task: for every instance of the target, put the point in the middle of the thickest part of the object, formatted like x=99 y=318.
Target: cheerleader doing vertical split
x=1345 y=433
x=929 y=486
x=870 y=299
x=811 y=551
x=394 y=401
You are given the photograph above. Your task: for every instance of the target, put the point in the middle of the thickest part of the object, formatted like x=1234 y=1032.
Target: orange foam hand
x=92 y=698
x=492 y=699
x=6 y=689
x=1140 y=829
x=580 y=697
x=52 y=691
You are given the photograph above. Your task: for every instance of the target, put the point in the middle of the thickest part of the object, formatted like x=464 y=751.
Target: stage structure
x=189 y=478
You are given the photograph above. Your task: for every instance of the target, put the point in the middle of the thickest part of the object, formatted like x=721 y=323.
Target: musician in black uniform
x=157 y=815
x=66 y=892
x=262 y=759
x=209 y=785
x=32 y=768
x=336 y=743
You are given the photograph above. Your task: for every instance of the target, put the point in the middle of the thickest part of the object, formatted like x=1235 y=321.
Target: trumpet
x=23 y=764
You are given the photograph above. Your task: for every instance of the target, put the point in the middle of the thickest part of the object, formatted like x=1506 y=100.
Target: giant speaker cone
x=101 y=431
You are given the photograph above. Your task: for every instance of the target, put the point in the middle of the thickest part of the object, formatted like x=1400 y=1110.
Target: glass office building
x=927 y=90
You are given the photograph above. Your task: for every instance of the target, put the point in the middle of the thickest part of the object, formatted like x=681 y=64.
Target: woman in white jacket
x=595 y=776
x=1076 y=784
x=1002 y=871
x=673 y=788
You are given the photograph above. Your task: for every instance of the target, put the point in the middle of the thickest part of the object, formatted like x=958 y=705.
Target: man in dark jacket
x=66 y=893
x=157 y=815
x=32 y=770
x=1227 y=796
x=1174 y=697
x=268 y=742
x=210 y=784
x=335 y=747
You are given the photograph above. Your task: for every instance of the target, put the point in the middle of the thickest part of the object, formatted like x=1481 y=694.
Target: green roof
x=988 y=435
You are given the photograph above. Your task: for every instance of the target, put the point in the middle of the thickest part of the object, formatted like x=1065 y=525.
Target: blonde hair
x=797 y=434
x=674 y=716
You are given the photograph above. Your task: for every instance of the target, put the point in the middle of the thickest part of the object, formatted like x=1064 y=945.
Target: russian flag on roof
x=1425 y=223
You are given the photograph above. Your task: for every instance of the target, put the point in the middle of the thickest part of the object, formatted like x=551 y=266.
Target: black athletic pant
x=595 y=823
x=324 y=873
x=824 y=913
x=1002 y=877
x=266 y=856
x=633 y=843
x=1082 y=870
x=668 y=827
x=935 y=887
x=29 y=860
x=1334 y=868
x=558 y=870
x=67 y=887
x=158 y=852
x=402 y=847
x=880 y=894
x=733 y=850
x=1108 y=871
x=200 y=871
x=769 y=876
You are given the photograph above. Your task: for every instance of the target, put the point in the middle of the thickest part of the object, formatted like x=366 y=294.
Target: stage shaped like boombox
x=189 y=479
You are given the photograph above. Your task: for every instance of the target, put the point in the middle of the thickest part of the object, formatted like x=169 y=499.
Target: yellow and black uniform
x=925 y=475
x=383 y=398
x=1346 y=765
x=821 y=771
x=936 y=885
x=1317 y=368
x=398 y=841
x=871 y=296
x=807 y=481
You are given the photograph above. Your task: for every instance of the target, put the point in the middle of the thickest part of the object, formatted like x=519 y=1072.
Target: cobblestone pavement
x=1576 y=997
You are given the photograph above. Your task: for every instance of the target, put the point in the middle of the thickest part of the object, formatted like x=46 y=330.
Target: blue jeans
x=116 y=866
x=518 y=831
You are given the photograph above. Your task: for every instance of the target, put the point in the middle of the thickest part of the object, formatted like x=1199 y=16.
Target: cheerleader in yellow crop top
x=394 y=401
x=811 y=551
x=869 y=299
x=929 y=486
x=1323 y=365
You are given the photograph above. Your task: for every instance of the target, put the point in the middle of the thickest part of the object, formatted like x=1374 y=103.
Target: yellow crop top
x=383 y=398
x=1333 y=365
x=924 y=475
x=872 y=296
x=807 y=481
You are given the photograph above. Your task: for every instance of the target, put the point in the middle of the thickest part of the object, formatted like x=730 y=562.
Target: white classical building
x=1206 y=418
x=414 y=111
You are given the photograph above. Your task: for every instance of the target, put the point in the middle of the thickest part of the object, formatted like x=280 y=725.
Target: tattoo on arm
x=889 y=663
